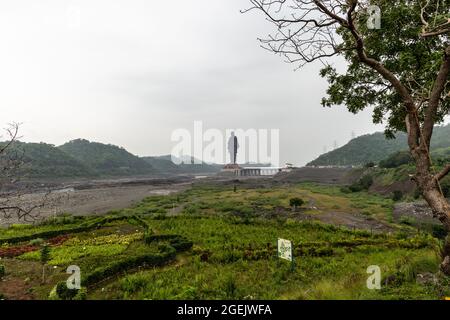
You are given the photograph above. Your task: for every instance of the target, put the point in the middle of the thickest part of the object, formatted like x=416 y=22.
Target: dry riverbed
x=91 y=201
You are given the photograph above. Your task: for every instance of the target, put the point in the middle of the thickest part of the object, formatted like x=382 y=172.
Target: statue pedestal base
x=231 y=166
x=231 y=169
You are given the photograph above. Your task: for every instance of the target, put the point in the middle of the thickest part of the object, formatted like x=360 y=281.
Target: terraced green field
x=215 y=242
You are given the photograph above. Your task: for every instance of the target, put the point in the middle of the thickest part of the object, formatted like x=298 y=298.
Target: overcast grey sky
x=130 y=72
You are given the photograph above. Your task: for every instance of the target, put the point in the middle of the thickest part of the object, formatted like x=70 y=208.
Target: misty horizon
x=106 y=72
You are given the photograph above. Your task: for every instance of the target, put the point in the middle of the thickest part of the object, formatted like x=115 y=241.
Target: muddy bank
x=34 y=186
x=419 y=211
x=95 y=200
x=319 y=175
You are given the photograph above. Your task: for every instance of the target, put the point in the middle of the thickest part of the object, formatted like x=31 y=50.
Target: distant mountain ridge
x=42 y=160
x=165 y=164
x=106 y=159
x=81 y=158
x=375 y=147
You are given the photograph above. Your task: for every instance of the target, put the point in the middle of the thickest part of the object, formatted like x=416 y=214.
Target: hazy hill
x=161 y=164
x=164 y=164
x=106 y=159
x=45 y=160
x=82 y=158
x=375 y=147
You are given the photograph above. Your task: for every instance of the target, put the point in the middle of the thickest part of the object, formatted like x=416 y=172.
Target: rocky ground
x=418 y=210
x=99 y=197
x=89 y=198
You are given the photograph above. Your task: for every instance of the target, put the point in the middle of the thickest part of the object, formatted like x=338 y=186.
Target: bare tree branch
x=435 y=30
x=11 y=191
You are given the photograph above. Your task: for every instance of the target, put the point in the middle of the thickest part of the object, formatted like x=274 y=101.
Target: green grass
x=234 y=248
x=66 y=254
x=214 y=200
x=228 y=274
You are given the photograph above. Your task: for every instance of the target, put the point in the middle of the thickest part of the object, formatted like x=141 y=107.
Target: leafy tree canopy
x=414 y=59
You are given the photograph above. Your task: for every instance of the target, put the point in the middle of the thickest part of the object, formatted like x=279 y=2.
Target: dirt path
x=15 y=289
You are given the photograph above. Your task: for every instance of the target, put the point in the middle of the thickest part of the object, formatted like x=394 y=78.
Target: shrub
x=140 y=222
x=44 y=257
x=345 y=190
x=45 y=254
x=356 y=187
x=228 y=255
x=397 y=195
x=445 y=186
x=397 y=159
x=191 y=209
x=160 y=216
x=177 y=242
x=369 y=165
x=363 y=184
x=36 y=242
x=65 y=293
x=410 y=221
x=61 y=292
x=2 y=271
x=439 y=231
x=133 y=283
x=181 y=244
x=148 y=237
x=296 y=202
x=127 y=263
x=81 y=295
x=417 y=193
x=366 y=181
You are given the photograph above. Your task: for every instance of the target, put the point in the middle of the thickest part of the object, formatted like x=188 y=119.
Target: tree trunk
x=439 y=205
x=441 y=210
x=445 y=265
x=436 y=200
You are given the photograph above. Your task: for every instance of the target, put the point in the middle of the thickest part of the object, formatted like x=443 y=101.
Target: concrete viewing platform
x=238 y=171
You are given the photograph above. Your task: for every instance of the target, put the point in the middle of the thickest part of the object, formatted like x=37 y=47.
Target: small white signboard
x=285 y=249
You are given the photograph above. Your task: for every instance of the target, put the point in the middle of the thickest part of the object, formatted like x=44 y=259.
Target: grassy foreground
x=211 y=242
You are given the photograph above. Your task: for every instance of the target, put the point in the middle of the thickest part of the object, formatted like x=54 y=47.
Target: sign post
x=285 y=251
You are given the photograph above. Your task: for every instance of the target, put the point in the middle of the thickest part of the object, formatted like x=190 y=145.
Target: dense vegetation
x=106 y=159
x=376 y=147
x=396 y=160
x=400 y=176
x=82 y=158
x=45 y=160
x=215 y=242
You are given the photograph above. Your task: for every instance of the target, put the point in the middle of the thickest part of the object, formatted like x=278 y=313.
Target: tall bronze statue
x=233 y=146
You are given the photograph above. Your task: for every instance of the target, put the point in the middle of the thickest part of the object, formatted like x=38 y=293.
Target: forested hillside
x=82 y=158
x=36 y=160
x=375 y=147
x=106 y=159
